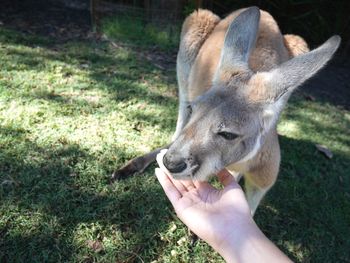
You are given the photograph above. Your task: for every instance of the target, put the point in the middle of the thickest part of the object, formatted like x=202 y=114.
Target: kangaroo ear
x=273 y=88
x=239 y=40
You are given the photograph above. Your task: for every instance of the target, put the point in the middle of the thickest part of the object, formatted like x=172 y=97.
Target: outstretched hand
x=207 y=211
x=220 y=217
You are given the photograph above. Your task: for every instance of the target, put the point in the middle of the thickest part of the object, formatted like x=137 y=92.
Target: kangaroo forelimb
x=136 y=165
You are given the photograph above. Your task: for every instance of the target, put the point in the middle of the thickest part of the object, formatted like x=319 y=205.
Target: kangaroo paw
x=136 y=165
x=124 y=172
x=129 y=169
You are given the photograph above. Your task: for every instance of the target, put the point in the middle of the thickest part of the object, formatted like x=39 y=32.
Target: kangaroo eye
x=228 y=135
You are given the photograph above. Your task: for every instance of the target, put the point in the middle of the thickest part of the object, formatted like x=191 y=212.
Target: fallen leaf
x=323 y=149
x=95 y=245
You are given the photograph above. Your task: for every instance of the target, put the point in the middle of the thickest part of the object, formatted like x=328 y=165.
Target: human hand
x=210 y=213
x=222 y=218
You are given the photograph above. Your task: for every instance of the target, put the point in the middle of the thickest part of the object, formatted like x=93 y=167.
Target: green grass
x=70 y=114
x=136 y=31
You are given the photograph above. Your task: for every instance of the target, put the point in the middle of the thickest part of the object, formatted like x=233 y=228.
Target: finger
x=203 y=188
x=177 y=183
x=182 y=185
x=159 y=159
x=170 y=190
x=225 y=177
x=188 y=184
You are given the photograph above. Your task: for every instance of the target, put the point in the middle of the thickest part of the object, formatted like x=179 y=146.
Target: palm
x=206 y=210
x=220 y=217
x=202 y=198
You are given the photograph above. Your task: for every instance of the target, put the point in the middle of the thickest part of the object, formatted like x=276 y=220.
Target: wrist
x=247 y=243
x=241 y=235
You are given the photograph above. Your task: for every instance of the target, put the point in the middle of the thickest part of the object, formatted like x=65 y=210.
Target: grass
x=133 y=30
x=70 y=114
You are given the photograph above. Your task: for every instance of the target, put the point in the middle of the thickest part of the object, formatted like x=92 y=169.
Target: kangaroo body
x=234 y=76
x=203 y=33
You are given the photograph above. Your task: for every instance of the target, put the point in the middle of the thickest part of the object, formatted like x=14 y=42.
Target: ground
x=74 y=107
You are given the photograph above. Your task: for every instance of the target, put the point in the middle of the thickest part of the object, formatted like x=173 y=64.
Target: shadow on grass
x=46 y=198
x=309 y=207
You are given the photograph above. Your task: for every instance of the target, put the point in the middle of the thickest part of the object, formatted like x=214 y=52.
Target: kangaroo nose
x=174 y=167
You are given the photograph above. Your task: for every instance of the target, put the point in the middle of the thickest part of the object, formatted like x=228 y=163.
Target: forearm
x=248 y=244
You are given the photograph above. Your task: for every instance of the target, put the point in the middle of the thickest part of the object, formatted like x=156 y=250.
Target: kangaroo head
x=229 y=122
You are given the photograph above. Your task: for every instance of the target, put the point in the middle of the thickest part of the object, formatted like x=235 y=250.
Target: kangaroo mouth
x=195 y=169
x=187 y=174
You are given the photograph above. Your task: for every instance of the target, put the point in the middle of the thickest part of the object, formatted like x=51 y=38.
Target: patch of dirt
x=47 y=18
x=165 y=61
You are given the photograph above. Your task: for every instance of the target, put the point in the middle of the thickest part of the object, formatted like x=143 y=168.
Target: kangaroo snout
x=174 y=165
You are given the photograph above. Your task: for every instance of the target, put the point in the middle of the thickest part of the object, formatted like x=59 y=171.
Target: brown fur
x=270 y=51
x=295 y=45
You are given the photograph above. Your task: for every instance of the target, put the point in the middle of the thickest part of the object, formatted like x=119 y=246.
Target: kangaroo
x=235 y=76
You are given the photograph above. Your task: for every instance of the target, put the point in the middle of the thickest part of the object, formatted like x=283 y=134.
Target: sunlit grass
x=134 y=30
x=70 y=114
x=317 y=122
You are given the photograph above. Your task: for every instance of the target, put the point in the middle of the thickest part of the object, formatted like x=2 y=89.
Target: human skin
x=222 y=218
